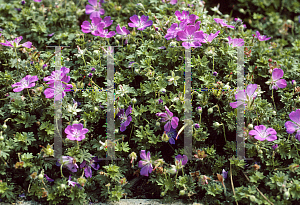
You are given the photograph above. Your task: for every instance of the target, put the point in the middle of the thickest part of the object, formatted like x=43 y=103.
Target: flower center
x=24 y=83
x=190 y=38
x=76 y=133
x=123 y=118
x=97 y=7
x=93 y=27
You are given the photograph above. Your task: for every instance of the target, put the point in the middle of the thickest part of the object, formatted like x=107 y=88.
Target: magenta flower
x=209 y=38
x=191 y=37
x=276 y=81
x=261 y=133
x=95 y=10
x=141 y=24
x=261 y=37
x=122 y=31
x=58 y=90
x=185 y=17
x=174 y=29
x=245 y=98
x=197 y=126
x=145 y=163
x=173 y=2
x=293 y=126
x=23 y=2
x=235 y=42
x=105 y=33
x=92 y=27
x=222 y=22
x=76 y=132
x=15 y=43
x=93 y=69
x=59 y=78
x=107 y=21
x=90 y=75
x=160 y=101
x=68 y=162
x=51 y=34
x=125 y=118
x=37 y=0
x=172 y=121
x=87 y=168
x=26 y=82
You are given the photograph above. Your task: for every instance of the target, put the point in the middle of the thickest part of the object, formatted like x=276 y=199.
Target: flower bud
x=49 y=151
x=81 y=181
x=260 y=151
x=182 y=192
x=165 y=137
x=133 y=33
x=96 y=109
x=132 y=155
x=250 y=126
x=116 y=131
x=199 y=110
x=118 y=8
x=216 y=124
x=133 y=100
x=41 y=176
x=4 y=126
x=63 y=186
x=210 y=110
x=157 y=124
x=75 y=122
x=162 y=193
x=1 y=137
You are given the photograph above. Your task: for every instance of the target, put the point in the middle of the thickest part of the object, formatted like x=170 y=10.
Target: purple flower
x=72 y=183
x=125 y=118
x=18 y=9
x=56 y=78
x=122 y=31
x=276 y=75
x=215 y=73
x=261 y=133
x=197 y=126
x=222 y=22
x=145 y=163
x=26 y=82
x=105 y=33
x=275 y=146
x=181 y=159
x=160 y=101
x=23 y=2
x=293 y=82
x=235 y=42
x=22 y=195
x=191 y=37
x=48 y=179
x=172 y=134
x=209 y=38
x=93 y=69
x=185 y=17
x=130 y=64
x=224 y=173
x=76 y=132
x=291 y=127
x=141 y=24
x=37 y=0
x=68 y=162
x=87 y=168
x=51 y=34
x=92 y=27
x=261 y=37
x=95 y=10
x=90 y=75
x=172 y=121
x=15 y=43
x=190 y=5
x=244 y=98
x=58 y=90
x=162 y=47
x=173 y=2
x=44 y=66
x=174 y=29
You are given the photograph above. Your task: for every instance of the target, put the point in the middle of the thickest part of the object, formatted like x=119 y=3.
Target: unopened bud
x=250 y=126
x=210 y=110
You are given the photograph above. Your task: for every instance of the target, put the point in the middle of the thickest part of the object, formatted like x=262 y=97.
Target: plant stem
x=273 y=100
x=61 y=171
x=29 y=96
x=17 y=60
x=222 y=123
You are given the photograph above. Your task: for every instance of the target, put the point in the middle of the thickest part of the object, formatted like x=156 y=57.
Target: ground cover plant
x=148 y=41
